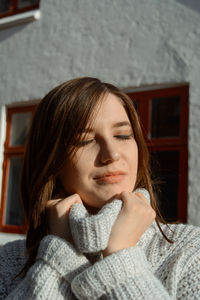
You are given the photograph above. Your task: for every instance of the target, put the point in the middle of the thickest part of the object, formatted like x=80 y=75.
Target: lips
x=110 y=177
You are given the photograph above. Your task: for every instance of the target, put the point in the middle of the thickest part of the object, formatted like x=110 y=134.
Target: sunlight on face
x=106 y=161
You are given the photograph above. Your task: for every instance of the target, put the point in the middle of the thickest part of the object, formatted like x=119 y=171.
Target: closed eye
x=119 y=137
x=124 y=136
x=86 y=142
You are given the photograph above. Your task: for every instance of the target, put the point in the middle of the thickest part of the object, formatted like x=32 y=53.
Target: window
x=11 y=211
x=164 y=117
x=13 y=7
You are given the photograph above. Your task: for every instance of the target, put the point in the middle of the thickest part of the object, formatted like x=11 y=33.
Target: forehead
x=111 y=109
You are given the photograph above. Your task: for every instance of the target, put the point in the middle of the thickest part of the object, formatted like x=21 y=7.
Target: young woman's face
x=106 y=162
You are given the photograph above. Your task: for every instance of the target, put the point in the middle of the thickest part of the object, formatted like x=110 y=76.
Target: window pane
x=165 y=169
x=135 y=103
x=26 y=3
x=20 y=126
x=165 y=117
x=4 y=6
x=14 y=211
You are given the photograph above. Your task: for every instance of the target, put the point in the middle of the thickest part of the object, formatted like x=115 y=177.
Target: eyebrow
x=120 y=124
x=115 y=125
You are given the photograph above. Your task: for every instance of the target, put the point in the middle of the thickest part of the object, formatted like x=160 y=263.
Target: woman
x=89 y=202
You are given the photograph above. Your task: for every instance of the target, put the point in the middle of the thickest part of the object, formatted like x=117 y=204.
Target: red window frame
x=180 y=144
x=14 y=10
x=9 y=152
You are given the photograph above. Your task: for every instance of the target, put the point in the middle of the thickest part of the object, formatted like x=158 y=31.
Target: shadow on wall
x=6 y=33
x=192 y=4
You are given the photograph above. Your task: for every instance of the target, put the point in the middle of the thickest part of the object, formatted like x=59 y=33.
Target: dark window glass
x=135 y=103
x=4 y=6
x=14 y=211
x=26 y=3
x=20 y=126
x=165 y=117
x=165 y=170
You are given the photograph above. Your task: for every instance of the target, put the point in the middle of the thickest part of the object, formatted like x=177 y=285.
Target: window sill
x=9 y=237
x=20 y=18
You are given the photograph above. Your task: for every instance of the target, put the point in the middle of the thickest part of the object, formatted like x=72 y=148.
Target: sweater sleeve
x=50 y=277
x=189 y=285
x=123 y=275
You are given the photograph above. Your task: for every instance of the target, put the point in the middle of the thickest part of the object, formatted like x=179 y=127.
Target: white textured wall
x=126 y=42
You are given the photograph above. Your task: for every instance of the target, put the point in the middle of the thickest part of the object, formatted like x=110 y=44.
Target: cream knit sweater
x=154 y=269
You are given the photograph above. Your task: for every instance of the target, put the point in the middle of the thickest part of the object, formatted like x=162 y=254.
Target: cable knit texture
x=153 y=269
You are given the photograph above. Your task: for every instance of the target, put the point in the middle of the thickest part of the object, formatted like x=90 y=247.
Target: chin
x=97 y=201
x=105 y=200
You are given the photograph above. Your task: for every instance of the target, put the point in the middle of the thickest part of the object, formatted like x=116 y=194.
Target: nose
x=108 y=153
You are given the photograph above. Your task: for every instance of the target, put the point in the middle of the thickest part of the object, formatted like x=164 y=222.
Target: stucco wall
x=126 y=42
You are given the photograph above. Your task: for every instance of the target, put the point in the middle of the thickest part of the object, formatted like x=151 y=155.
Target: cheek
x=133 y=162
x=82 y=160
x=68 y=176
x=133 y=155
x=80 y=172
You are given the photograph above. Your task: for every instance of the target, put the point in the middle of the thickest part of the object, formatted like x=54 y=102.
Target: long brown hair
x=60 y=116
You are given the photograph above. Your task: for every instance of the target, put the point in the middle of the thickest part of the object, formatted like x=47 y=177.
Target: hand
x=58 y=216
x=134 y=218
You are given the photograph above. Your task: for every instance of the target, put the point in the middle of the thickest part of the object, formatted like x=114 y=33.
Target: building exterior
x=136 y=44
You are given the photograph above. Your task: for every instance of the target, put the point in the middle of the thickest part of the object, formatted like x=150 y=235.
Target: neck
x=92 y=210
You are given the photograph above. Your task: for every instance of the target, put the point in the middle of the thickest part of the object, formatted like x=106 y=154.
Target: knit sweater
x=153 y=269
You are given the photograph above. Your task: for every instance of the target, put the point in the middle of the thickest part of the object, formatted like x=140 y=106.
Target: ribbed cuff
x=106 y=274
x=62 y=257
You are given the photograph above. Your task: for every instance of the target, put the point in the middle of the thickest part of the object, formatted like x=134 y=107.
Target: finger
x=64 y=204
x=51 y=203
x=144 y=192
x=127 y=197
x=132 y=200
x=75 y=198
x=141 y=197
